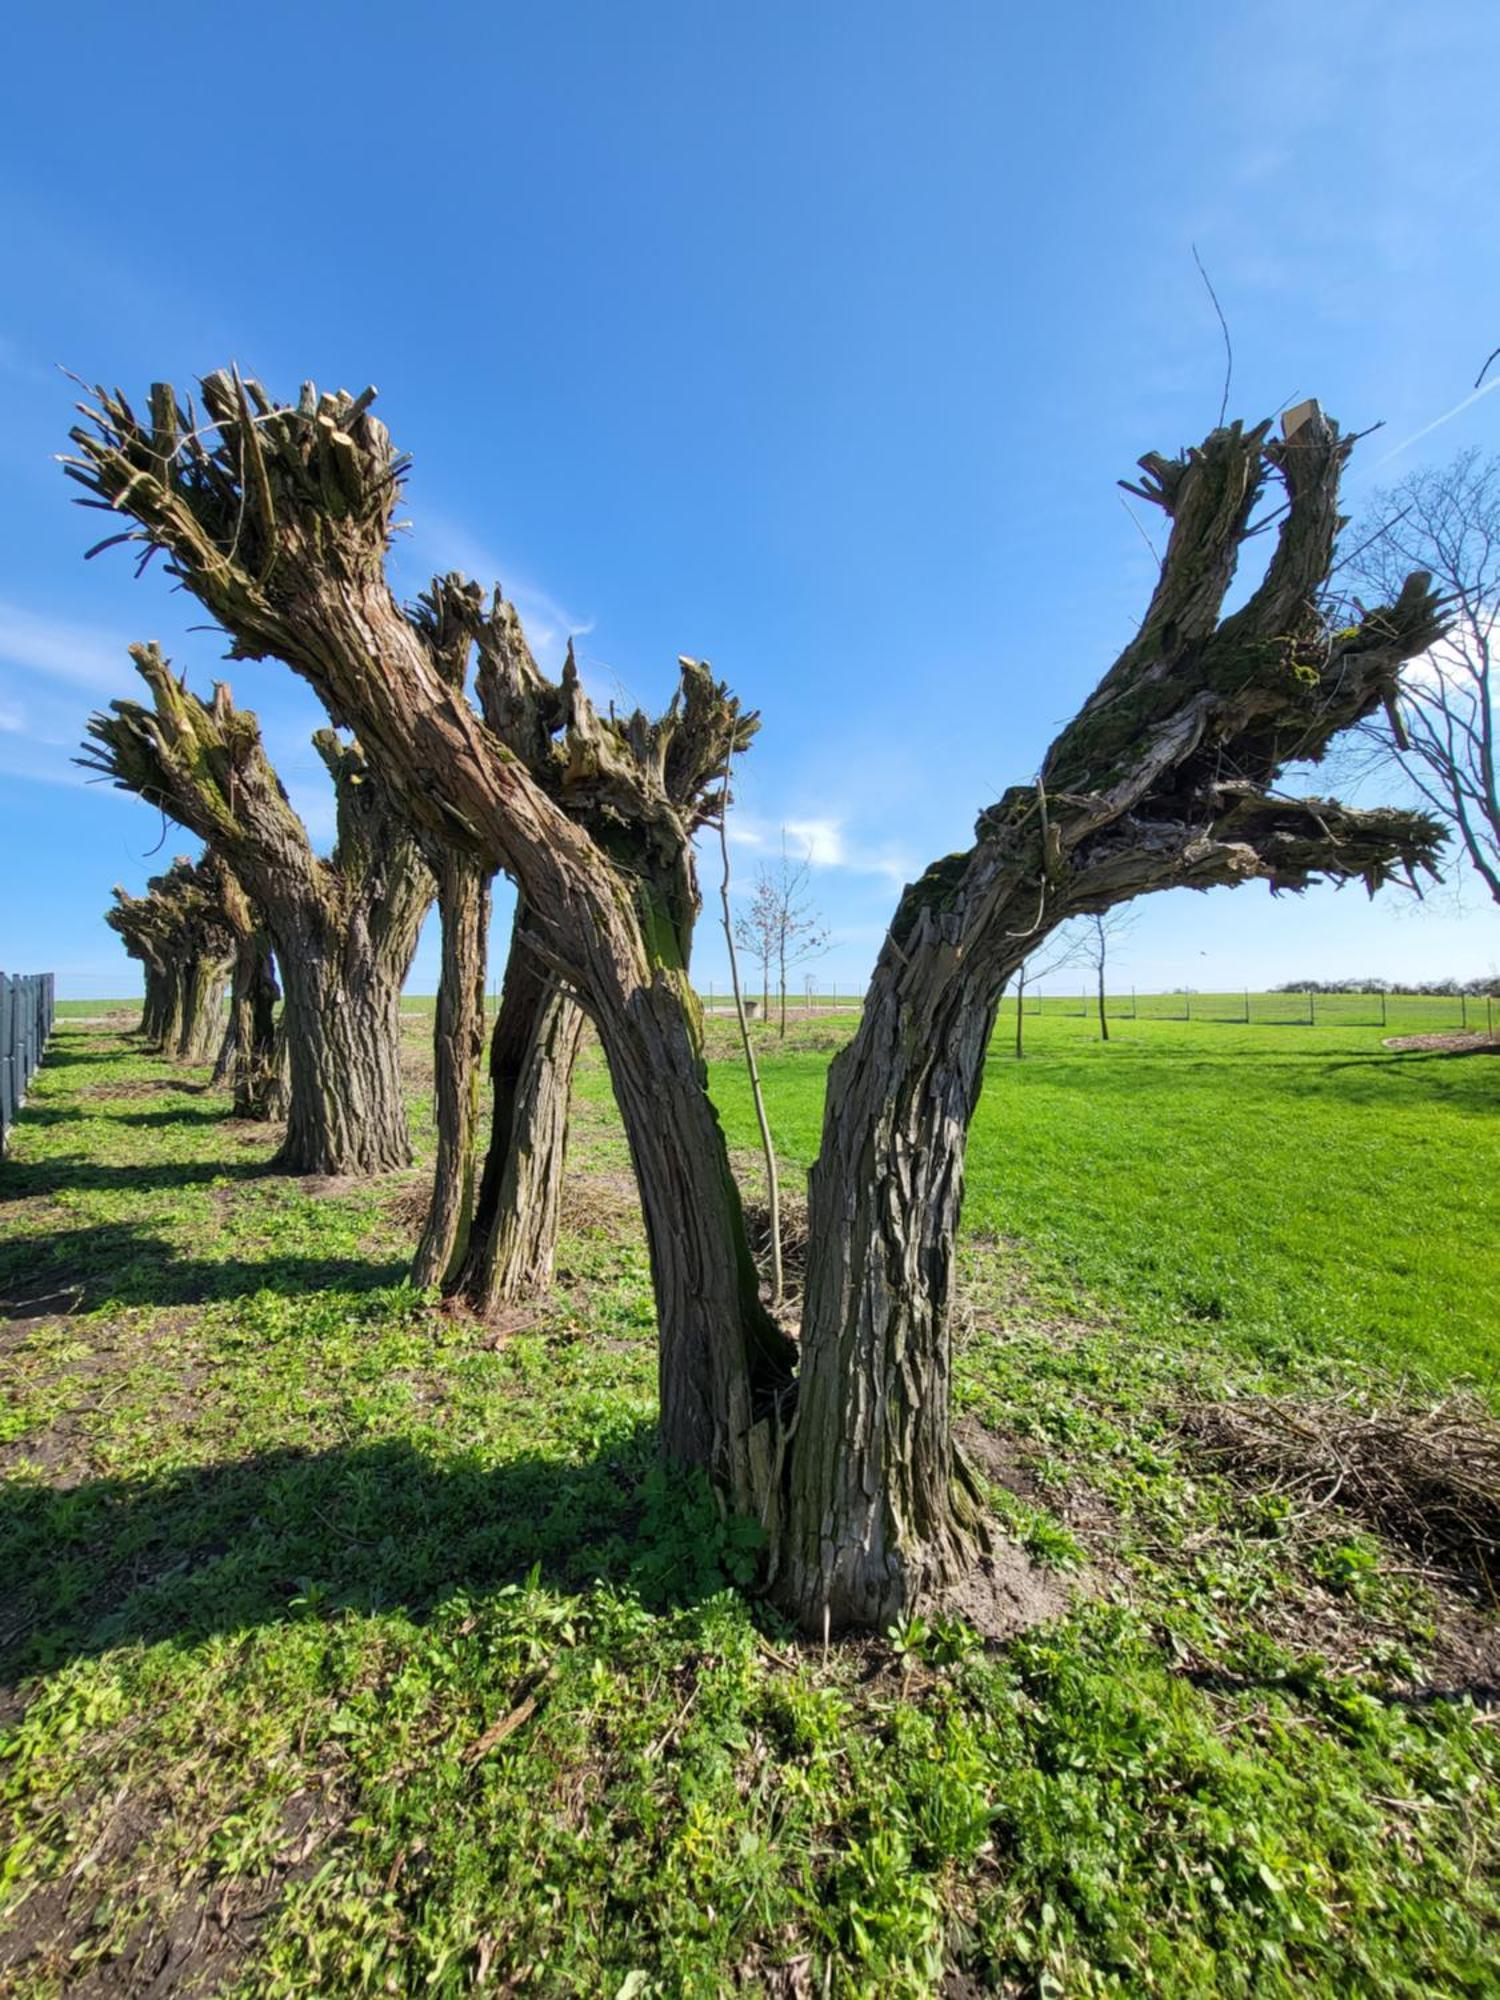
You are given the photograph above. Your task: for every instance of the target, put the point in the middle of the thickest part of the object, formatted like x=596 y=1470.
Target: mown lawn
x=354 y=1648
x=1306 y=1194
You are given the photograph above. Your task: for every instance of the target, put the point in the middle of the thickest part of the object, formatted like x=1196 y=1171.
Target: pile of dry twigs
x=1428 y=1477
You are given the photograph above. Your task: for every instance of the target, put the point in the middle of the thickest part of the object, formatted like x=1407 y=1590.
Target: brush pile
x=1426 y=1477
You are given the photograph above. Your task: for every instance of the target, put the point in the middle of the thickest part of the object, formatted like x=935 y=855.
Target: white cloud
x=12 y=718
x=83 y=655
x=824 y=843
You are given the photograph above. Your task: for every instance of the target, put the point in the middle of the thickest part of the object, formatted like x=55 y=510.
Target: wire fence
x=1401 y=1013
x=27 y=1005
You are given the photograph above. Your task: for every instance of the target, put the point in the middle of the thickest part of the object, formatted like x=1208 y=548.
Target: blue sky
x=809 y=340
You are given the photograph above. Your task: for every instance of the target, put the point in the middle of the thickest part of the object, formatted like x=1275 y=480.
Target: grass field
x=1308 y=1196
x=355 y=1648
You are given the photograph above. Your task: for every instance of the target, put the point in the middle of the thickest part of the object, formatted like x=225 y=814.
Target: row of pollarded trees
x=278 y=518
x=194 y=930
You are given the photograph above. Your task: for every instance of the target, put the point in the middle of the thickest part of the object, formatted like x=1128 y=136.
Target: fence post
x=1382 y=1010
x=6 y=1004
x=1132 y=1003
x=1312 y=1009
x=27 y=1007
x=1187 y=1006
x=1247 y=1006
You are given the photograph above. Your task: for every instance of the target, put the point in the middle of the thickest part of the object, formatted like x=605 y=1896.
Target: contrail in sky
x=1474 y=396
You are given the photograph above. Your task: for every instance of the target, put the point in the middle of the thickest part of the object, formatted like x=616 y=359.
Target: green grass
x=1306 y=1195
x=355 y=1648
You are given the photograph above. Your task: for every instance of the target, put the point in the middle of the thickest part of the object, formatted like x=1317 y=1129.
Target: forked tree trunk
x=458 y=1047
x=513 y=1240
x=879 y=1509
x=343 y=1037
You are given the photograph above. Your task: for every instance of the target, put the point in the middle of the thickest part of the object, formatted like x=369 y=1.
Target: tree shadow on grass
x=117 y=1263
x=184 y=1114
x=289 y=1534
x=24 y=1178
x=62 y=1056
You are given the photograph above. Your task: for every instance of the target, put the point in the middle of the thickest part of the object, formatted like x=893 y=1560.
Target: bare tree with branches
x=1444 y=519
x=1099 y=932
x=1065 y=947
x=782 y=925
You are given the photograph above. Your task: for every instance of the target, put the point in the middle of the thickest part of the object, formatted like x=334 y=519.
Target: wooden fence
x=26 y=1008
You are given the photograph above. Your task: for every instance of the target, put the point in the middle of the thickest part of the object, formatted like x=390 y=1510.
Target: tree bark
x=879 y=1510
x=722 y=1363
x=458 y=1046
x=512 y=1243
x=252 y=1061
x=157 y=1006
x=202 y=1024
x=346 y=1113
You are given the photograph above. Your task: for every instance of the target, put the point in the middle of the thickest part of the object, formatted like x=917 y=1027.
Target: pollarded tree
x=344 y=929
x=1168 y=777
x=181 y=935
x=136 y=922
x=278 y=519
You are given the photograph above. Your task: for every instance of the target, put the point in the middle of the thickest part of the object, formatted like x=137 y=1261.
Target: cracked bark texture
x=458 y=1048
x=251 y=1061
x=277 y=517
x=344 y=930
x=512 y=1245
x=1167 y=778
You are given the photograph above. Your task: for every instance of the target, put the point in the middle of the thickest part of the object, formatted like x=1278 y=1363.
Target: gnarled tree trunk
x=202 y=1025
x=878 y=1509
x=513 y=1239
x=252 y=1062
x=345 y=1113
x=458 y=1046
